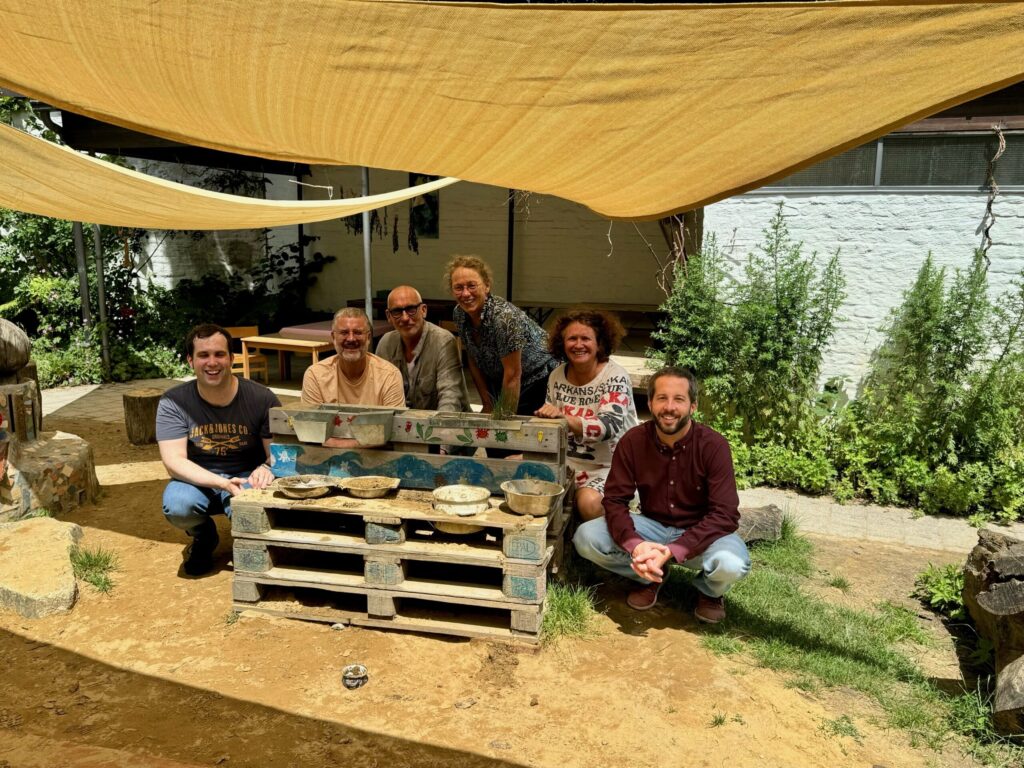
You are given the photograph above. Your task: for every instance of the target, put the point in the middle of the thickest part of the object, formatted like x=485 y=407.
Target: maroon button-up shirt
x=690 y=485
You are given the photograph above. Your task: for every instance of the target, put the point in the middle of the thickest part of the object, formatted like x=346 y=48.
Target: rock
x=36 y=577
x=760 y=524
x=465 y=703
x=15 y=348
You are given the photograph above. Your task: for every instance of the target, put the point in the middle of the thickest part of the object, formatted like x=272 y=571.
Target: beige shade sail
x=37 y=176
x=636 y=111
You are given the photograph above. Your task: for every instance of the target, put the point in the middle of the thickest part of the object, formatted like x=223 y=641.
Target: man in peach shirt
x=354 y=375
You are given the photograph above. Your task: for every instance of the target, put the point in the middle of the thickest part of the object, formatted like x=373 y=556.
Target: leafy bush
x=942 y=588
x=756 y=345
x=939 y=421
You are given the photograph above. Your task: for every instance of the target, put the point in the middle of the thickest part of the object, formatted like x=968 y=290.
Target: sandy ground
x=160 y=673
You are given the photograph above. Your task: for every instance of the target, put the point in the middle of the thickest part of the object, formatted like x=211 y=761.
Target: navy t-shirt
x=226 y=439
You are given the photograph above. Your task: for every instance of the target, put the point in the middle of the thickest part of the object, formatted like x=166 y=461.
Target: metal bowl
x=369 y=486
x=461 y=500
x=532 y=497
x=304 y=486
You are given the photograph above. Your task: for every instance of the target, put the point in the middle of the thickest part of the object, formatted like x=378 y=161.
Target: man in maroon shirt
x=688 y=501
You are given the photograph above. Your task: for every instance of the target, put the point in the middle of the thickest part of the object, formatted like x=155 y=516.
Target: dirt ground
x=159 y=673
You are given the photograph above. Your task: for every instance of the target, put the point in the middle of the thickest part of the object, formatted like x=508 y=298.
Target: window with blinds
x=932 y=160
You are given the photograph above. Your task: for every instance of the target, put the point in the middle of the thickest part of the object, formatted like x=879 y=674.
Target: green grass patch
x=842 y=727
x=839 y=582
x=94 y=566
x=722 y=645
x=40 y=512
x=570 y=611
x=820 y=645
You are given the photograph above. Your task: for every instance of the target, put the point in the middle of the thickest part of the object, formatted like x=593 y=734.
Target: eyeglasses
x=471 y=287
x=410 y=310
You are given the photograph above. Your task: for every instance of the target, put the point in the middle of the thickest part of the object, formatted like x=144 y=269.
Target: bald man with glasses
x=426 y=355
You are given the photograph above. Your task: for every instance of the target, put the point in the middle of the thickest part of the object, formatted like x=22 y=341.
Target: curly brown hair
x=475 y=263
x=607 y=330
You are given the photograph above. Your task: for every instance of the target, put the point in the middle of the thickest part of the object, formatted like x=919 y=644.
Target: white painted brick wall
x=882 y=240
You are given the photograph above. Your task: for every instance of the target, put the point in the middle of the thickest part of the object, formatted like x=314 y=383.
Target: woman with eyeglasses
x=507 y=351
x=594 y=394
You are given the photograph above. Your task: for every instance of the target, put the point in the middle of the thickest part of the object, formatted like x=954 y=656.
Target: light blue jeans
x=721 y=565
x=189 y=507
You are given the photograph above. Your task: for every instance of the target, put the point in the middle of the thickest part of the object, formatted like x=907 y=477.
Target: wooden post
x=140 y=415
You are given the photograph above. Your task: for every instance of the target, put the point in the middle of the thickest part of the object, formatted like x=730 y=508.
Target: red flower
x=337 y=421
x=408 y=426
x=481 y=433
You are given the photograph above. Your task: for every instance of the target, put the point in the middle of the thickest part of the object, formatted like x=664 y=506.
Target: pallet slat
x=390 y=610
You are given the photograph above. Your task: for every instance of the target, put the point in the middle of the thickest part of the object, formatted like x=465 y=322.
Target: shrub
x=756 y=345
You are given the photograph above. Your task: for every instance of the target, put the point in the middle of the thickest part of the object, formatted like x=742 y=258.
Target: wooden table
x=280 y=344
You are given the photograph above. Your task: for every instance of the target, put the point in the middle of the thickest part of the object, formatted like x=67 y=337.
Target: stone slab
x=36 y=576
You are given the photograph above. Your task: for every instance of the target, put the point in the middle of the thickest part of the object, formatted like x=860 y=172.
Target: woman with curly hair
x=507 y=351
x=593 y=394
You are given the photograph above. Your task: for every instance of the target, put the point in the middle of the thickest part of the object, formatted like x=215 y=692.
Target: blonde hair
x=475 y=263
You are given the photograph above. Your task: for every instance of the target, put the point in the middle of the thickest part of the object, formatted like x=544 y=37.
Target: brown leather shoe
x=710 y=610
x=643 y=598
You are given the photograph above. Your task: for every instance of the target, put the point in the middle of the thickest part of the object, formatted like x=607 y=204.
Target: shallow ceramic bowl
x=370 y=486
x=304 y=486
x=372 y=427
x=461 y=500
x=532 y=497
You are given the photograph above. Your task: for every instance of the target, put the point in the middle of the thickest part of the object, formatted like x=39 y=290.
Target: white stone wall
x=179 y=255
x=882 y=238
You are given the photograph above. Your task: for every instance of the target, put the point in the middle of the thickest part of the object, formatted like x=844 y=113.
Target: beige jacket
x=437 y=382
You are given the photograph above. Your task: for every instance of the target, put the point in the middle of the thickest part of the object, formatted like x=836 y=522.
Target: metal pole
x=366 y=249
x=101 y=291
x=511 y=243
x=83 y=274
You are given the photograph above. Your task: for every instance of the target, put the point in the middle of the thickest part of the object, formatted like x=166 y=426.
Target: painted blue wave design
x=411 y=470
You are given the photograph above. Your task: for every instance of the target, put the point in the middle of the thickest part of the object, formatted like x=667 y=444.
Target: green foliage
x=842 y=726
x=570 y=611
x=942 y=588
x=94 y=566
x=39 y=290
x=755 y=344
x=939 y=421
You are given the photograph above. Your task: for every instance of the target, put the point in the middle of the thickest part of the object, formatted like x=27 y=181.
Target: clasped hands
x=649 y=559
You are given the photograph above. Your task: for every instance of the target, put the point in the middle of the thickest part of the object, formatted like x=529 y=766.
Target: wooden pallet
x=386 y=550
x=379 y=562
x=463 y=616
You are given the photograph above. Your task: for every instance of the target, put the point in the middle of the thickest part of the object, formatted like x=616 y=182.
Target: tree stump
x=994 y=596
x=140 y=414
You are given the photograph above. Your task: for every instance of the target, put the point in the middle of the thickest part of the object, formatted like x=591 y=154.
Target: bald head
x=407 y=313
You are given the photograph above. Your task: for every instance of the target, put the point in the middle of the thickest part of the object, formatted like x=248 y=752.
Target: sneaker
x=710 y=610
x=643 y=598
x=199 y=554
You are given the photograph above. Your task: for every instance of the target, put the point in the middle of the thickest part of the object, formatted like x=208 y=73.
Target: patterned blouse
x=504 y=329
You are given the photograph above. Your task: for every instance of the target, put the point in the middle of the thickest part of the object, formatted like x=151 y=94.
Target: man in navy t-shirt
x=214 y=439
